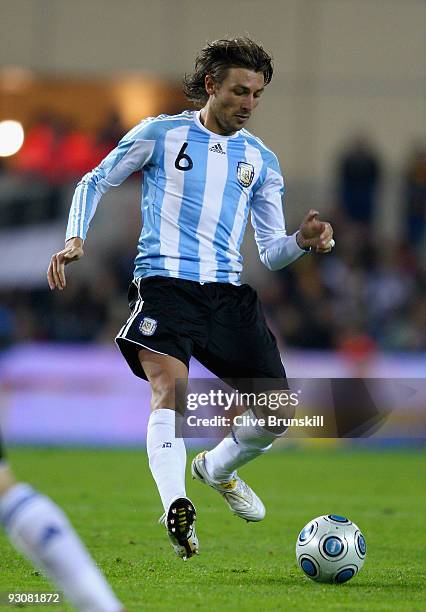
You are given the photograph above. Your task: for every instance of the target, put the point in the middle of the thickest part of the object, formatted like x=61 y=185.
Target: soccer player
x=41 y=531
x=203 y=173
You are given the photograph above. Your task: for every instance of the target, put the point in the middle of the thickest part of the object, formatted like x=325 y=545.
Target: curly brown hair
x=220 y=55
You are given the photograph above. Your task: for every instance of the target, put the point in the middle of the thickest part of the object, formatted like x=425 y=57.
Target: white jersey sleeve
x=131 y=154
x=276 y=248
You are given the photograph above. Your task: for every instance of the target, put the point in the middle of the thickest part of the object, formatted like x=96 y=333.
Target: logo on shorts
x=147 y=326
x=245 y=173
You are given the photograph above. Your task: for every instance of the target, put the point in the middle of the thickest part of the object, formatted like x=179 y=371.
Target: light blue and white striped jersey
x=198 y=189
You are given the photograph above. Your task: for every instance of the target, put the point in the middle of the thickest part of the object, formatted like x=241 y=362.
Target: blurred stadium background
x=345 y=114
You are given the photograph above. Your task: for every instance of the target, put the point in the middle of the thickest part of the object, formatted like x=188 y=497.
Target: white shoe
x=241 y=499
x=180 y=525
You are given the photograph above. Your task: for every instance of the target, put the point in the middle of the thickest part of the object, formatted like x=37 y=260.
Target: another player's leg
x=39 y=529
x=166 y=449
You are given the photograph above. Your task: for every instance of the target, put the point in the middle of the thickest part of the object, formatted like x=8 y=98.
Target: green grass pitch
x=112 y=501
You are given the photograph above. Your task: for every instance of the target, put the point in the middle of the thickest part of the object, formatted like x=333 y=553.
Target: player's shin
x=244 y=443
x=166 y=454
x=40 y=530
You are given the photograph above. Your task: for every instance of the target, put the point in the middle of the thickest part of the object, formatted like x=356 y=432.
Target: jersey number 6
x=182 y=156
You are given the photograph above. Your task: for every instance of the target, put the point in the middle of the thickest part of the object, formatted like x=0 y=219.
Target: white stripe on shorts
x=137 y=309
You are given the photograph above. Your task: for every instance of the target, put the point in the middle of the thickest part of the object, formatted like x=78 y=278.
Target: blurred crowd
x=363 y=298
x=369 y=295
x=55 y=154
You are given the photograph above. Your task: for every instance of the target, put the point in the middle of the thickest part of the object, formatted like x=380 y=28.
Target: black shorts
x=220 y=324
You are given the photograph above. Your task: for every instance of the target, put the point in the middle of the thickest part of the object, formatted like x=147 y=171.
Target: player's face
x=232 y=102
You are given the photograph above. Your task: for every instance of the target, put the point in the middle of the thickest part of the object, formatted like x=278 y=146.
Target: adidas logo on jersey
x=217 y=149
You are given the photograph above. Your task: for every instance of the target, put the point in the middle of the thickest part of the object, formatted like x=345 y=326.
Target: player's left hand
x=315 y=234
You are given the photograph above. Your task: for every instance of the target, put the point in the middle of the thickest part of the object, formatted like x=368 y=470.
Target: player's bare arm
x=56 y=271
x=315 y=234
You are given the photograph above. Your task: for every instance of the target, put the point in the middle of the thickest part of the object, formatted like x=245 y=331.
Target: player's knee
x=276 y=412
x=276 y=403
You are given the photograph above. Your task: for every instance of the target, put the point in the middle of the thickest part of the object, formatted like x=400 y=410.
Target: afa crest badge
x=245 y=174
x=147 y=326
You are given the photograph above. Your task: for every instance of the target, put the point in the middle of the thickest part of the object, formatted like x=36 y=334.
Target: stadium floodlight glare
x=11 y=137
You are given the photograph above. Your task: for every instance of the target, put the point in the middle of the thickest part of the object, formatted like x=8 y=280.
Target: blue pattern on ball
x=308 y=567
x=332 y=546
x=338 y=518
x=361 y=544
x=306 y=532
x=345 y=575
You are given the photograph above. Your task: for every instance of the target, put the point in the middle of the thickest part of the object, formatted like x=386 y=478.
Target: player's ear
x=210 y=84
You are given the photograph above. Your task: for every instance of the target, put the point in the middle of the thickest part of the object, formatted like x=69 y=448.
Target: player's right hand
x=315 y=234
x=56 y=271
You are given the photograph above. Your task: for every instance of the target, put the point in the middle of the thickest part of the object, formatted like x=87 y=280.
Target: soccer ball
x=331 y=549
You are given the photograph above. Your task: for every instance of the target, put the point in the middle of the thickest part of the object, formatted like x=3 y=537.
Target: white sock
x=243 y=444
x=166 y=454
x=40 y=530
